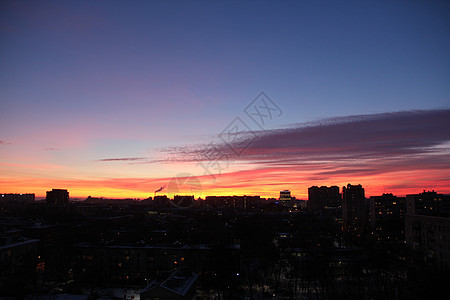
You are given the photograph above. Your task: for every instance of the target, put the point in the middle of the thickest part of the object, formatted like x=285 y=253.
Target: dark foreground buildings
x=178 y=285
x=228 y=247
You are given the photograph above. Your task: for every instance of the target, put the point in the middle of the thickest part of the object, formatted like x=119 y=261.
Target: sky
x=118 y=99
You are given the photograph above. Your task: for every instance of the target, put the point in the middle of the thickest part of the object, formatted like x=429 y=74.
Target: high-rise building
x=427 y=227
x=324 y=198
x=285 y=198
x=354 y=209
x=386 y=217
x=57 y=197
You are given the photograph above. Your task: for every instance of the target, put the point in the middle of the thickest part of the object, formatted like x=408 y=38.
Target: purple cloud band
x=408 y=134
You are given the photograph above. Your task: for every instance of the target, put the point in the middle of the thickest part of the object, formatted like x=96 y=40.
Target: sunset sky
x=117 y=98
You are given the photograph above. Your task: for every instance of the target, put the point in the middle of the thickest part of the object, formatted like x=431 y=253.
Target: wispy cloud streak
x=126 y=159
x=378 y=136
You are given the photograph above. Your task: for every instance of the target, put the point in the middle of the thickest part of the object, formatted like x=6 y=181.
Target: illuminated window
x=40 y=266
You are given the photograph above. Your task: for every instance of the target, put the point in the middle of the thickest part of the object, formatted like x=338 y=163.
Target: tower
x=354 y=209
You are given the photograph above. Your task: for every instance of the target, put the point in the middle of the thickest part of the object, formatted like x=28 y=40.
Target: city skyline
x=120 y=100
x=199 y=196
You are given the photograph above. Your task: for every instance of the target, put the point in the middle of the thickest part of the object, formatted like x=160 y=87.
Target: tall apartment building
x=427 y=227
x=57 y=197
x=323 y=198
x=354 y=209
x=387 y=217
x=285 y=198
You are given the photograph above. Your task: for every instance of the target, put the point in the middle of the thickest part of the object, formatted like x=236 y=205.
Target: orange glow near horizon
x=263 y=182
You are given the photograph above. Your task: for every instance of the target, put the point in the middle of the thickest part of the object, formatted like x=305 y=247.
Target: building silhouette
x=428 y=203
x=427 y=227
x=285 y=198
x=19 y=198
x=161 y=201
x=324 y=198
x=18 y=259
x=387 y=217
x=183 y=200
x=354 y=210
x=239 y=203
x=57 y=197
